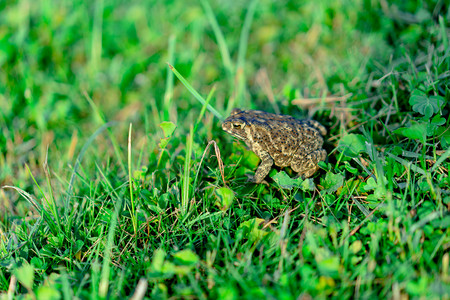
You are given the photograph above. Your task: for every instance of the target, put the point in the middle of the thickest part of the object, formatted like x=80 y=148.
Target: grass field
x=111 y=177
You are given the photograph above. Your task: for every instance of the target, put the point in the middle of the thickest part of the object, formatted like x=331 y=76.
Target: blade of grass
x=441 y=159
x=407 y=164
x=223 y=48
x=36 y=205
x=186 y=174
x=95 y=278
x=444 y=35
x=168 y=95
x=104 y=277
x=219 y=160
x=52 y=206
x=80 y=158
x=110 y=134
x=202 y=112
x=195 y=93
x=65 y=286
x=130 y=179
x=96 y=44
x=51 y=224
x=243 y=43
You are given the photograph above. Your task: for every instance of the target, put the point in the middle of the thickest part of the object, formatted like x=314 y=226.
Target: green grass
x=110 y=167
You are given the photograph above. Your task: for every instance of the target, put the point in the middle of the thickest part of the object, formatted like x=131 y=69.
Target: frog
x=278 y=139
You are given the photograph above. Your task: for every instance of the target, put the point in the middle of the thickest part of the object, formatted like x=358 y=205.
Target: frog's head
x=236 y=124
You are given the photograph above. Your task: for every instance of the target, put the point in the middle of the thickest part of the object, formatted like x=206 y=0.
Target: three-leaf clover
x=424 y=104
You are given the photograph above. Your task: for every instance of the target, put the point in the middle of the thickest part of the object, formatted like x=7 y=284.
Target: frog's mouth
x=238 y=136
x=228 y=127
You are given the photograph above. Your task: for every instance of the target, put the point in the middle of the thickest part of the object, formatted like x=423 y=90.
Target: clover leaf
x=417 y=131
x=352 y=144
x=424 y=104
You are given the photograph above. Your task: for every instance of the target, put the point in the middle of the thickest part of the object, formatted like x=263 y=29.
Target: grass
x=110 y=188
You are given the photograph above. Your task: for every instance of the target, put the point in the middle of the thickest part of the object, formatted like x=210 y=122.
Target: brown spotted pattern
x=279 y=139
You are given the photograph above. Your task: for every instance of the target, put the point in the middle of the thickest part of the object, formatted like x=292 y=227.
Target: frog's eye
x=238 y=126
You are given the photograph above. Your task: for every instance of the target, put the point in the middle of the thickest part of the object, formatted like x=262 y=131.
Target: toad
x=279 y=139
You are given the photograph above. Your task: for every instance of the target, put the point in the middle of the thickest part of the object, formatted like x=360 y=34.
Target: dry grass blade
x=262 y=78
x=219 y=160
x=307 y=102
x=355 y=230
x=12 y=287
x=27 y=196
x=141 y=288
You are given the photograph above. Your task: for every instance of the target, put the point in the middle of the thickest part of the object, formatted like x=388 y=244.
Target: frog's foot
x=251 y=178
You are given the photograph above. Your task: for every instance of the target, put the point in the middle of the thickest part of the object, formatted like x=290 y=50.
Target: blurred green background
x=53 y=52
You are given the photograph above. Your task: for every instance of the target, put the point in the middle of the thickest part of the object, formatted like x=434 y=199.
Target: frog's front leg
x=264 y=167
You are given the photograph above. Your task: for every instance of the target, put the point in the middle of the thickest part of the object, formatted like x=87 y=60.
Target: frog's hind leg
x=308 y=165
x=316 y=125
